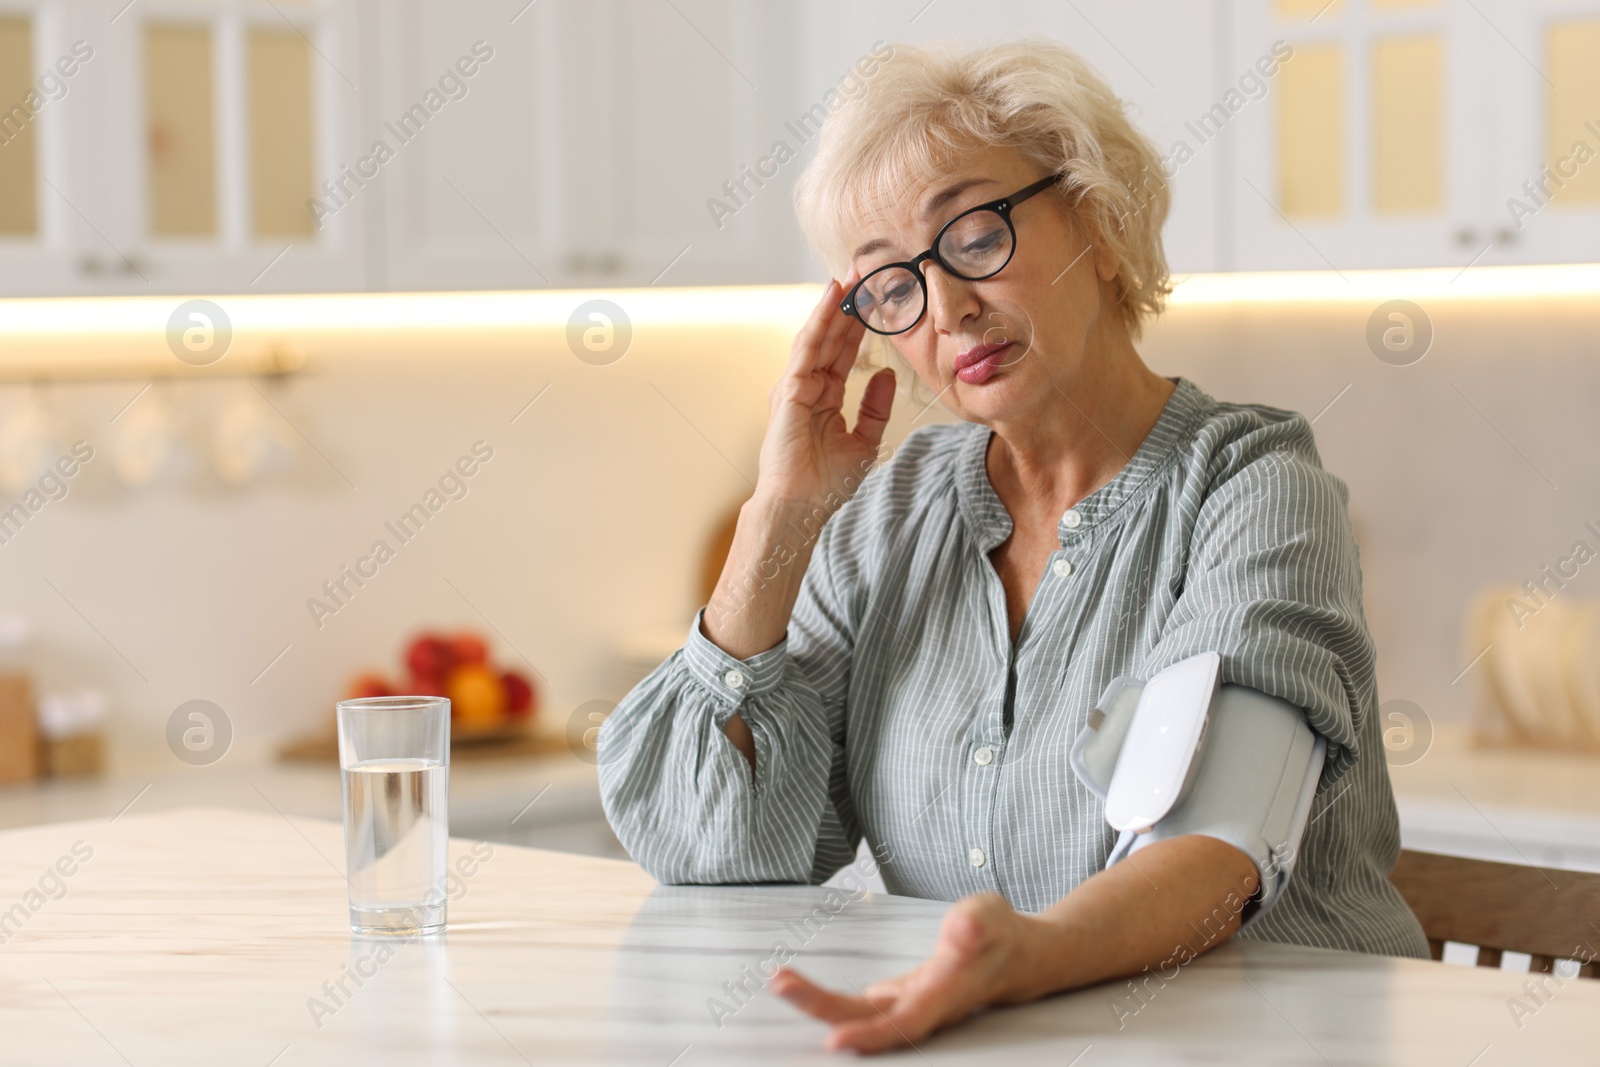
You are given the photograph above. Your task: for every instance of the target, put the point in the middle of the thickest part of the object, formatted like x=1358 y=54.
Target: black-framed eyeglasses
x=975 y=245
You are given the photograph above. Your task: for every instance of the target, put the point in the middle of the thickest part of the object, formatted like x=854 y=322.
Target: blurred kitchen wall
x=578 y=546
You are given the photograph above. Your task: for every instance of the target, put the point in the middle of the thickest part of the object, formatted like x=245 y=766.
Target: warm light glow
x=266 y=317
x=1476 y=284
x=286 y=315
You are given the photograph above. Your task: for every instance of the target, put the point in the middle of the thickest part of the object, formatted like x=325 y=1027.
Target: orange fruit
x=477 y=698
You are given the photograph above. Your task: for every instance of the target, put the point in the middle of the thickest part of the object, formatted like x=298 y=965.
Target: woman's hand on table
x=976 y=963
x=1114 y=923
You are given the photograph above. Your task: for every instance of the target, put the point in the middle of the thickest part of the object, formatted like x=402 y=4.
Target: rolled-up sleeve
x=685 y=802
x=1273 y=584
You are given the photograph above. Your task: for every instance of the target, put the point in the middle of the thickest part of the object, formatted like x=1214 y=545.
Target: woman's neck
x=1078 y=436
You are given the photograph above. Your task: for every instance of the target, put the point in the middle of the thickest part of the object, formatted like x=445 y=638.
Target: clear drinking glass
x=394 y=758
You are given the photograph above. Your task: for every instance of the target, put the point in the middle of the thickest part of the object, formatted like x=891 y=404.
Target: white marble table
x=201 y=936
x=547 y=801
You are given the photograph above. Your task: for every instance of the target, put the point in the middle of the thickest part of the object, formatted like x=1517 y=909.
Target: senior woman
x=914 y=670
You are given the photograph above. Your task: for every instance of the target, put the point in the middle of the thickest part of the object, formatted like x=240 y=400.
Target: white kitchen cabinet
x=39 y=231
x=1547 y=115
x=179 y=156
x=613 y=142
x=590 y=145
x=1399 y=130
x=638 y=142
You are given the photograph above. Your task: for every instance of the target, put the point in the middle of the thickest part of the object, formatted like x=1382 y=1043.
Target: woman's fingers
x=893 y=1012
x=816 y=323
x=837 y=372
x=924 y=1005
x=906 y=1021
x=818 y=1002
x=848 y=347
x=840 y=342
x=852 y=326
x=958 y=979
x=943 y=990
x=871 y=1035
x=877 y=402
x=843 y=347
x=835 y=375
x=823 y=323
x=808 y=444
x=887 y=990
x=823 y=351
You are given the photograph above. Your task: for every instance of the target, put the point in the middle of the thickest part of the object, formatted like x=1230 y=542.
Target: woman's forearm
x=1158 y=908
x=760 y=582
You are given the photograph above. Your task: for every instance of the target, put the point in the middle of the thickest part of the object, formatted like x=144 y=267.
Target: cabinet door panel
x=591 y=145
x=1362 y=155
x=661 y=112
x=463 y=191
x=1488 y=93
x=1546 y=202
x=178 y=159
x=46 y=221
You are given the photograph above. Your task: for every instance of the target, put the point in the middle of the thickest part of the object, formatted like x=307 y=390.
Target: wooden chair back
x=1503 y=907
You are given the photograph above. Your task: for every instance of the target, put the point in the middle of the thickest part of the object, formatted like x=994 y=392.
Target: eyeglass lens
x=974 y=246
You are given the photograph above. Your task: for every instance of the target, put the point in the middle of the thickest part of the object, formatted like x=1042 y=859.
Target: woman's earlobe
x=1107 y=264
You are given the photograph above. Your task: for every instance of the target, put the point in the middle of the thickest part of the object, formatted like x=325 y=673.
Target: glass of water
x=394 y=757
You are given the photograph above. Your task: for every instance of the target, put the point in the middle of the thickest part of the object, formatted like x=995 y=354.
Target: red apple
x=368 y=685
x=519 y=695
x=468 y=647
x=429 y=656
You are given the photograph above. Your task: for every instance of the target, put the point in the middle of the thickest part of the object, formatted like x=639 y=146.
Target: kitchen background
x=505 y=164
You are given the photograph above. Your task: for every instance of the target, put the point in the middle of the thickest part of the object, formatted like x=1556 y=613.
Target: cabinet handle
x=603 y=263
x=94 y=266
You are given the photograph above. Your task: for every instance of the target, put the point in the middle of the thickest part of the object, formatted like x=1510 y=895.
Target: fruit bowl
x=486 y=702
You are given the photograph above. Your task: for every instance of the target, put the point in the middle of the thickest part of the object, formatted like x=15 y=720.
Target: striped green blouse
x=898 y=710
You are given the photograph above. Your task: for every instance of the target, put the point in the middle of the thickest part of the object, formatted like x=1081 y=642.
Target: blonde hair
x=925 y=107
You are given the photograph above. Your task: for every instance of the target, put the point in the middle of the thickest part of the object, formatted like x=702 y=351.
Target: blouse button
x=1062 y=567
x=1072 y=520
x=976 y=857
x=733 y=679
x=983 y=757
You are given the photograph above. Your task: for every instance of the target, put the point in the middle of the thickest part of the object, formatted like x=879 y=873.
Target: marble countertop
x=1516 y=805
x=208 y=936
x=510 y=794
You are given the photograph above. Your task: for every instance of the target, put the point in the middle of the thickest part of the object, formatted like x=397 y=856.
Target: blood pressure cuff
x=1250 y=777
